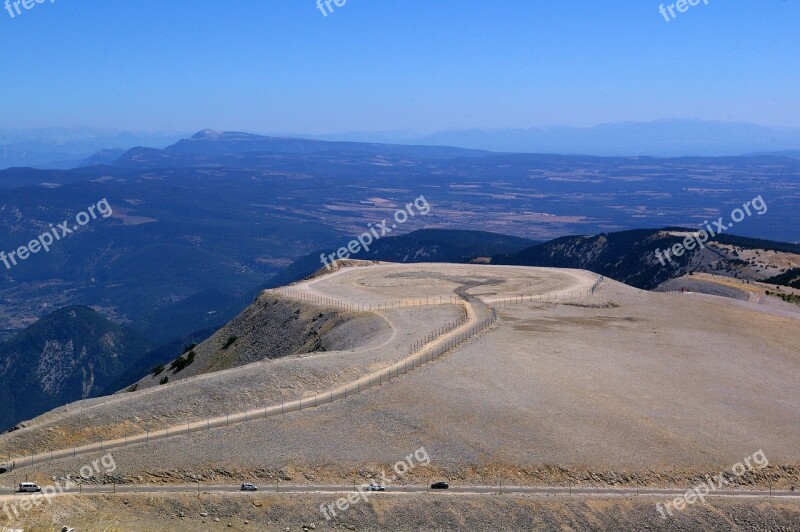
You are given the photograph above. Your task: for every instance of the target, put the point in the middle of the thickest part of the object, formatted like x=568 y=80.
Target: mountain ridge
x=72 y=353
x=663 y=138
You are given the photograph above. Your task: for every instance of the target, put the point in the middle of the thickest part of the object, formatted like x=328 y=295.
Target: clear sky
x=382 y=65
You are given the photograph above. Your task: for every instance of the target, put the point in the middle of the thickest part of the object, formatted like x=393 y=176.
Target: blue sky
x=381 y=65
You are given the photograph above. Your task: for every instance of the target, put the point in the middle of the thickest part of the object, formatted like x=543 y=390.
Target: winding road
x=479 y=318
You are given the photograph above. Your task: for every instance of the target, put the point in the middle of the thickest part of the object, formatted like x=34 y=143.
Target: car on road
x=376 y=487
x=440 y=486
x=29 y=487
x=249 y=487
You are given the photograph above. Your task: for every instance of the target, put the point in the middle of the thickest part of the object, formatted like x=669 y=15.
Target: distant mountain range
x=661 y=138
x=64 y=148
x=236 y=149
x=792 y=154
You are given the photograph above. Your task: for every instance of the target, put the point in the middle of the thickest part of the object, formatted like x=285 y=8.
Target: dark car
x=440 y=486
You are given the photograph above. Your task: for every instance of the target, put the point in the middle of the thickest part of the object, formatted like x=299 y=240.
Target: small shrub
x=158 y=370
x=229 y=342
x=164 y=380
x=180 y=363
x=188 y=348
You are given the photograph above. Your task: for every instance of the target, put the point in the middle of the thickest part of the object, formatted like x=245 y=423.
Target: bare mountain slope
x=611 y=387
x=270 y=328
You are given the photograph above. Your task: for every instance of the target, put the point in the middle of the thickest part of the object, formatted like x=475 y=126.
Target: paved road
x=454 y=490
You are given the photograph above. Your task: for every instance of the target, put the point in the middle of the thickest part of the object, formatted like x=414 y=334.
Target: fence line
x=425 y=355
x=301 y=295
x=551 y=298
x=435 y=300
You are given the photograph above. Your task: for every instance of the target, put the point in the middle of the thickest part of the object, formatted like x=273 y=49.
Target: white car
x=376 y=487
x=29 y=487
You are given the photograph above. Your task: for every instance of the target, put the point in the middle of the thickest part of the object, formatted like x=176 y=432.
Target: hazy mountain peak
x=206 y=134
x=211 y=134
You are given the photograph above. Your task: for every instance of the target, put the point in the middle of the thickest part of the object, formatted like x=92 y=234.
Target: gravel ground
x=376 y=285
x=627 y=387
